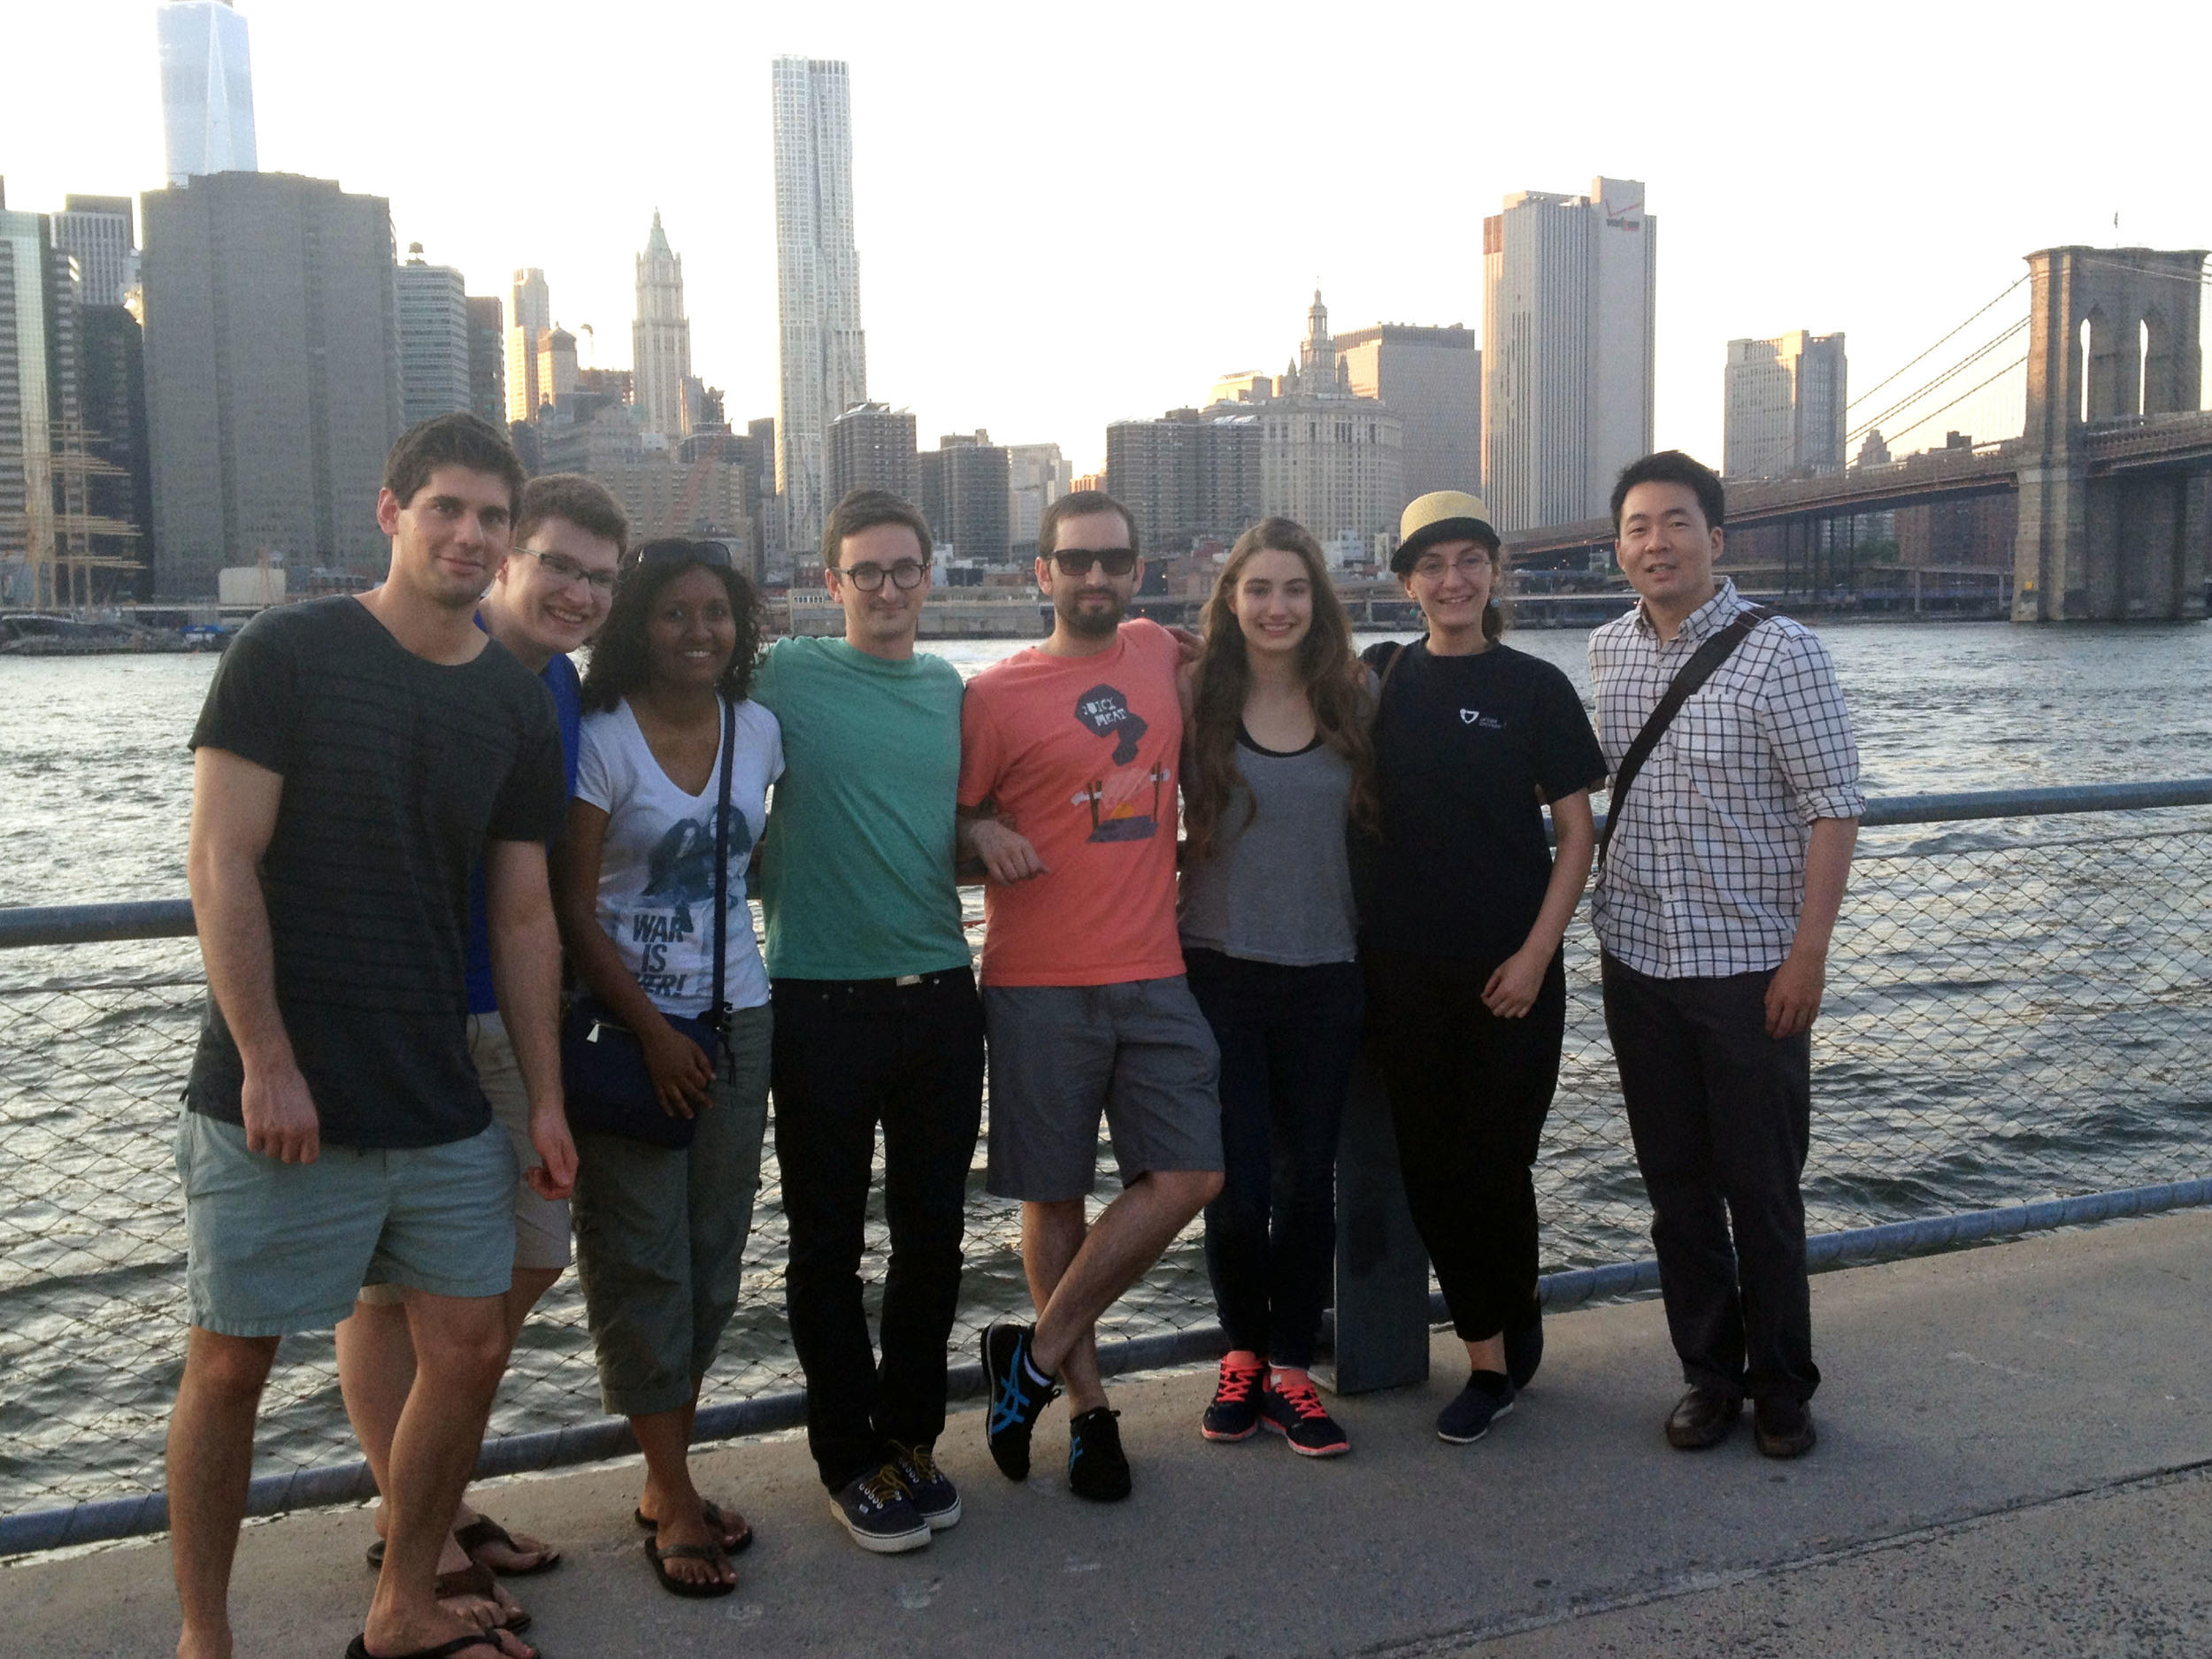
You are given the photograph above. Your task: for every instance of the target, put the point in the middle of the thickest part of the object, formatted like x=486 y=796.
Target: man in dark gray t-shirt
x=354 y=758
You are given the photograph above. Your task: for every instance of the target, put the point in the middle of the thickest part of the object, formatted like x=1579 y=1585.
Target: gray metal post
x=1382 y=1273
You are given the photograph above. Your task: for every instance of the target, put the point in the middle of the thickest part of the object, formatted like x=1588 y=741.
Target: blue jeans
x=1288 y=1038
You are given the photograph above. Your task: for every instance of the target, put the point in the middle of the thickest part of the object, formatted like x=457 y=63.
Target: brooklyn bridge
x=2099 y=510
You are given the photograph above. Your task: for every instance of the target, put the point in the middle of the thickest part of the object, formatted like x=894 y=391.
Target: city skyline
x=1041 y=344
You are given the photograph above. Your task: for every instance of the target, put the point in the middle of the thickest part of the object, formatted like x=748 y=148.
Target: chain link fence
x=2017 y=1010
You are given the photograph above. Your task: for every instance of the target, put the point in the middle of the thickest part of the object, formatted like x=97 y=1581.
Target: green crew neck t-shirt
x=856 y=876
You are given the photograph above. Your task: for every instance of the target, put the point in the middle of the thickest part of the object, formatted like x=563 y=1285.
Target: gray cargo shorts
x=1140 y=1051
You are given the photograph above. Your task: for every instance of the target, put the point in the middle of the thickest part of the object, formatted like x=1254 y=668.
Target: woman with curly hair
x=660 y=1230
x=1276 y=768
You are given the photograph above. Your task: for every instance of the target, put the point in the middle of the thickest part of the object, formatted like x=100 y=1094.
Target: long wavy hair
x=619 y=657
x=1335 y=682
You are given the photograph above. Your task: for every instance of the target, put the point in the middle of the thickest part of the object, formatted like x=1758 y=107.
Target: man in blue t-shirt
x=548 y=599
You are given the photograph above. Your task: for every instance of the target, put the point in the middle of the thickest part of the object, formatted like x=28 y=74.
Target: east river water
x=1921 y=1087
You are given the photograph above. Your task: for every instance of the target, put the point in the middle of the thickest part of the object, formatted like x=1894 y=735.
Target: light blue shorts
x=275 y=1247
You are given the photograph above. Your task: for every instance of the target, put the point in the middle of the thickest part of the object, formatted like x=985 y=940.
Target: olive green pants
x=660 y=1233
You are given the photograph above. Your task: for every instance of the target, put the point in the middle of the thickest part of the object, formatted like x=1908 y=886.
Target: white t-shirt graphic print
x=656 y=868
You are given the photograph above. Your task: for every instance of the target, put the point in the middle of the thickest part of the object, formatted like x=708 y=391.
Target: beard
x=1091 y=622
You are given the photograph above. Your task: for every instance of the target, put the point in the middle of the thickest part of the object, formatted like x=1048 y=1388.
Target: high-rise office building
x=660 y=339
x=533 y=320
x=206 y=89
x=487 y=358
x=1431 y=380
x=556 y=366
x=871 y=447
x=112 y=398
x=1783 y=406
x=97 y=231
x=821 y=355
x=1187 y=477
x=1568 y=306
x=963 y=495
x=273 y=383
x=434 y=339
x=1037 y=475
x=38 y=401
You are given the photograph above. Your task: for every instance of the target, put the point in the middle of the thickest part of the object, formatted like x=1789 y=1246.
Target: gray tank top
x=1278 y=886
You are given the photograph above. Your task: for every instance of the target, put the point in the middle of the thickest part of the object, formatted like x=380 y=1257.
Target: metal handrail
x=172 y=919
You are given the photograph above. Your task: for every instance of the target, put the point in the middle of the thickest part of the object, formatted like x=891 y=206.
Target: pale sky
x=1068 y=215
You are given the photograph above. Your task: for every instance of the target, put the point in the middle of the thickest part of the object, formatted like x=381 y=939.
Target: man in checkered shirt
x=1714 y=908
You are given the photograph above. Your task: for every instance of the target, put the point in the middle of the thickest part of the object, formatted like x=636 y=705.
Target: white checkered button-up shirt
x=1706 y=872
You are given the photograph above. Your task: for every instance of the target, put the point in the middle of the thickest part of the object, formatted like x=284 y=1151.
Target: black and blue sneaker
x=1525 y=1352
x=1018 y=1399
x=1487 y=1396
x=1096 y=1468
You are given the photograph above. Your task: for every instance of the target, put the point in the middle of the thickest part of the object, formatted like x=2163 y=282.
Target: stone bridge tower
x=2113 y=345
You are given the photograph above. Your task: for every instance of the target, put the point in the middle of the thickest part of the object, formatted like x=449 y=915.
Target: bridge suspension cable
x=1919 y=392
x=2017 y=361
x=1939 y=345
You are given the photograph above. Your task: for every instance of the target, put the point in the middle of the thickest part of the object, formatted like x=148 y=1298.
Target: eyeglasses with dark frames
x=566 y=569
x=1115 y=561
x=905 y=575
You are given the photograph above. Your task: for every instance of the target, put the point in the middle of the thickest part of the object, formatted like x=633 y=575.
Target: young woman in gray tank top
x=1275 y=763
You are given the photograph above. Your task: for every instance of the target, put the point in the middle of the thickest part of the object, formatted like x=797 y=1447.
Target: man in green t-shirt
x=876 y=1017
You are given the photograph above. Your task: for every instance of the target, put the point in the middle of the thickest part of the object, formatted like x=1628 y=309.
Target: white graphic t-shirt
x=656 y=869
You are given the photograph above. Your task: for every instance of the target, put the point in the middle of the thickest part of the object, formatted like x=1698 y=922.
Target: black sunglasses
x=677 y=550
x=1115 y=561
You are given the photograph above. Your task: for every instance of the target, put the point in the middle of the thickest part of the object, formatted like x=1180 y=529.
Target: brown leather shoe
x=1702 y=1418
x=1784 y=1428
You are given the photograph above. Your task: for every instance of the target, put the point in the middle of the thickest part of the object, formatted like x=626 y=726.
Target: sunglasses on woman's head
x=676 y=551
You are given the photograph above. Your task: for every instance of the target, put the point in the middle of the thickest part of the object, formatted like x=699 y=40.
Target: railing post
x=1382 y=1273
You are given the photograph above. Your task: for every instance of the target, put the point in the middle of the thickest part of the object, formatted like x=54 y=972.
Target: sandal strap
x=482 y=1531
x=691 y=1552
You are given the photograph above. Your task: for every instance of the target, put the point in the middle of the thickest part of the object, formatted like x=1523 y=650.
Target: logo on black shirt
x=1475 y=717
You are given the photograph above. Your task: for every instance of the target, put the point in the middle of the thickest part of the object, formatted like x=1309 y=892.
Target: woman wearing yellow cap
x=1462 y=933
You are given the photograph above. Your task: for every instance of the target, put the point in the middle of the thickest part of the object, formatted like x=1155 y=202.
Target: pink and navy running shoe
x=1294 y=1411
x=1234 y=1414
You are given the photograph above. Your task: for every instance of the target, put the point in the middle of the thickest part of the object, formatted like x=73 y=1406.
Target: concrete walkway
x=2016 y=1457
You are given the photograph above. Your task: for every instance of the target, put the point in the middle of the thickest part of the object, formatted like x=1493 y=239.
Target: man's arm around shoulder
x=233 y=815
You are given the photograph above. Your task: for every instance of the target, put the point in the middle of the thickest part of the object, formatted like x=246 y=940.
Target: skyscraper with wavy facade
x=660 y=338
x=206 y=89
x=822 y=358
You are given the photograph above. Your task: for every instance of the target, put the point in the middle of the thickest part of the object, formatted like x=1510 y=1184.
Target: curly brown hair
x=1336 y=684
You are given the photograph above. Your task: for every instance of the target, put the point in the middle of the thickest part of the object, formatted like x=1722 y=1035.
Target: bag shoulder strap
x=718 y=1006
x=1390 y=666
x=1687 y=679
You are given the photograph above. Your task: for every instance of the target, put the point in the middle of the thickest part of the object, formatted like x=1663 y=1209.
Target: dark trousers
x=1721 y=1114
x=1469 y=1093
x=850 y=1055
x=1288 y=1038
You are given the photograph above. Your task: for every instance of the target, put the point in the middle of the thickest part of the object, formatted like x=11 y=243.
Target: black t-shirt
x=397 y=772
x=1462 y=746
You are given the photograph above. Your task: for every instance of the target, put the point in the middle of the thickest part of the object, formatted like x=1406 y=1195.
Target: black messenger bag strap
x=716 y=1013
x=1693 y=674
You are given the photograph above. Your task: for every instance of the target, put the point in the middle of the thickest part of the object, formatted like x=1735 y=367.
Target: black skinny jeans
x=850 y=1055
x=1289 y=1038
x=1469 y=1093
x=1722 y=1117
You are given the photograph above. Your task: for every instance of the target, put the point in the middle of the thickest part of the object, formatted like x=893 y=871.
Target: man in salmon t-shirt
x=1067 y=795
